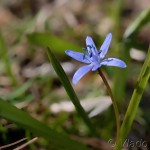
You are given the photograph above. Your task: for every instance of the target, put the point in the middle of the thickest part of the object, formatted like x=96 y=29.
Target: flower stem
x=116 y=111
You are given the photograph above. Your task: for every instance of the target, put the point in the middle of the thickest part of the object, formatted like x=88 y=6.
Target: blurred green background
x=29 y=82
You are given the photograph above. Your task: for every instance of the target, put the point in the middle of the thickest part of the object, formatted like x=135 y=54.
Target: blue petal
x=96 y=66
x=91 y=45
x=105 y=45
x=78 y=56
x=114 y=62
x=80 y=73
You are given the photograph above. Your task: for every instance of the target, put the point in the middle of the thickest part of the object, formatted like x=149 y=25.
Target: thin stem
x=116 y=111
x=117 y=11
x=12 y=144
x=122 y=51
x=26 y=144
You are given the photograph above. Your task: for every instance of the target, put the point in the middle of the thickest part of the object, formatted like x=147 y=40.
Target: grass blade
x=70 y=91
x=139 y=22
x=135 y=100
x=19 y=90
x=60 y=141
x=6 y=61
x=44 y=39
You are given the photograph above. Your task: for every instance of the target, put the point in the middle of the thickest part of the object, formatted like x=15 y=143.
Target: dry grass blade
x=12 y=144
x=26 y=144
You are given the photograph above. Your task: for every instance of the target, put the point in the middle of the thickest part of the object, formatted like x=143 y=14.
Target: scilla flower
x=94 y=58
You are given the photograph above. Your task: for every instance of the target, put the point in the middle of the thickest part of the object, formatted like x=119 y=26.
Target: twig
x=26 y=144
x=12 y=144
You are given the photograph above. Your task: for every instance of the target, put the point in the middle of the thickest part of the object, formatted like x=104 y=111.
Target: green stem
x=122 y=51
x=134 y=102
x=119 y=4
x=4 y=57
x=116 y=111
x=120 y=75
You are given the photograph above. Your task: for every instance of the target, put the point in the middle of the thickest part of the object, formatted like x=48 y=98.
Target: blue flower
x=94 y=58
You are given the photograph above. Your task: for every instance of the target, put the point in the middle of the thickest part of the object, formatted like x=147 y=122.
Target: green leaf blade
x=135 y=100
x=138 y=23
x=61 y=141
x=70 y=91
x=47 y=40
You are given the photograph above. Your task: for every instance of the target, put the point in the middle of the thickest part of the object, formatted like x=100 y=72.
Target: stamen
x=90 y=54
x=89 y=46
x=93 y=47
x=83 y=56
x=99 y=52
x=89 y=51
